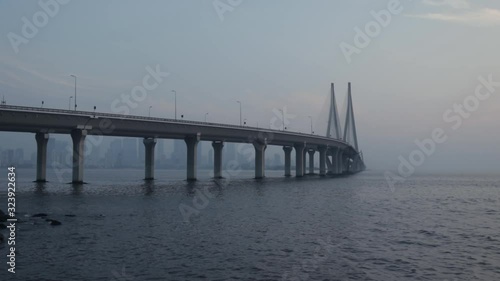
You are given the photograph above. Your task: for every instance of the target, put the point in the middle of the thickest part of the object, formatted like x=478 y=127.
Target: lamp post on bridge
x=206 y=116
x=240 y=110
x=282 y=118
x=310 y=117
x=175 y=103
x=75 y=89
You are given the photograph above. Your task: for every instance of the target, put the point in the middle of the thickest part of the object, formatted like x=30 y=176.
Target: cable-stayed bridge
x=338 y=150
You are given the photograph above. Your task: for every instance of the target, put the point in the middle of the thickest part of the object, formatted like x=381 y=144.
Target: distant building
x=129 y=152
x=59 y=153
x=160 y=157
x=94 y=157
x=141 y=151
x=229 y=153
x=178 y=156
x=160 y=146
x=7 y=157
x=19 y=156
x=114 y=154
x=210 y=157
x=277 y=160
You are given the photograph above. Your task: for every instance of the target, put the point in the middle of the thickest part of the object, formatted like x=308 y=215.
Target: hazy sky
x=269 y=54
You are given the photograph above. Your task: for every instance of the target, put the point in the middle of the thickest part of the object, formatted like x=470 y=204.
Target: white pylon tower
x=333 y=129
x=350 y=135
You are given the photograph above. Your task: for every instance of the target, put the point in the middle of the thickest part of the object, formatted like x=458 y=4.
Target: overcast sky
x=270 y=54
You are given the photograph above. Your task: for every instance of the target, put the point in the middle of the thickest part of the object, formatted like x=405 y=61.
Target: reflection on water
x=119 y=227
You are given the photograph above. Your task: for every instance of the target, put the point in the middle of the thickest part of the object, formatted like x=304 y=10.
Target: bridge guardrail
x=136 y=117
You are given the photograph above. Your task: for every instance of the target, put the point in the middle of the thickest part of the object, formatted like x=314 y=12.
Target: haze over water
x=432 y=227
x=425 y=81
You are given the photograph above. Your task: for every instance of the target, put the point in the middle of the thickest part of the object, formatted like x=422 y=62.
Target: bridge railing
x=144 y=118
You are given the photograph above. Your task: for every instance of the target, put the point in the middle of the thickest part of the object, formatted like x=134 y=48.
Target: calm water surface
x=432 y=227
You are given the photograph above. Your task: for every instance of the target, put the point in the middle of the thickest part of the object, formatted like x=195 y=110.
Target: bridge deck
x=58 y=121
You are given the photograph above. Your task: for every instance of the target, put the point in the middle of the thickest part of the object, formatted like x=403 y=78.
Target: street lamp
x=175 y=103
x=69 y=104
x=75 y=89
x=206 y=116
x=283 y=118
x=240 y=110
x=149 y=112
x=311 y=124
x=42 y=103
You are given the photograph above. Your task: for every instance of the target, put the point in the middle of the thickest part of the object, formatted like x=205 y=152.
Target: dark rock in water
x=3 y=226
x=71 y=216
x=3 y=216
x=39 y=215
x=54 y=222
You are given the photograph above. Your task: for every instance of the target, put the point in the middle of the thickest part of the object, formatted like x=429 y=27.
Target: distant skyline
x=269 y=55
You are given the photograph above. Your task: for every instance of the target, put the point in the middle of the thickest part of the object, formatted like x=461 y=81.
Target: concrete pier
x=288 y=160
x=299 y=159
x=41 y=156
x=331 y=159
x=304 y=159
x=322 y=160
x=149 y=161
x=329 y=164
x=311 y=161
x=192 y=156
x=340 y=162
x=78 y=137
x=218 y=145
x=346 y=161
x=260 y=159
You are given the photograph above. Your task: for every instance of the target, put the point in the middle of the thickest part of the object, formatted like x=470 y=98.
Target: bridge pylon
x=333 y=129
x=350 y=135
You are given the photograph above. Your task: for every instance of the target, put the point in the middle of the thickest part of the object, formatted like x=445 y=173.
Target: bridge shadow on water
x=127 y=183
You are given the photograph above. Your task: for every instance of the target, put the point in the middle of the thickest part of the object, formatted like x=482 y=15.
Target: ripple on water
x=433 y=227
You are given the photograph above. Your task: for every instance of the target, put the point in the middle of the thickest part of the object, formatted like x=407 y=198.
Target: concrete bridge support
x=149 y=161
x=332 y=164
x=218 y=145
x=78 y=136
x=340 y=162
x=311 y=161
x=41 y=156
x=346 y=160
x=260 y=159
x=299 y=159
x=355 y=165
x=329 y=164
x=304 y=165
x=322 y=160
x=288 y=160
x=192 y=156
